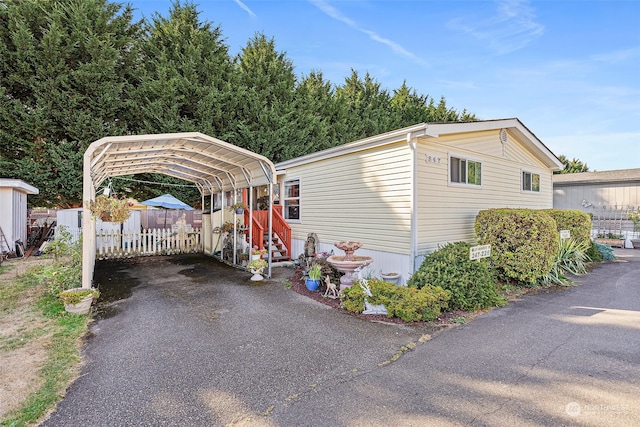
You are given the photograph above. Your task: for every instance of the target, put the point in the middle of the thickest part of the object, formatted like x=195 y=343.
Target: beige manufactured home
x=405 y=192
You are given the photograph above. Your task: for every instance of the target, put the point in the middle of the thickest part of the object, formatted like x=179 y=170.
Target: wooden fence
x=115 y=244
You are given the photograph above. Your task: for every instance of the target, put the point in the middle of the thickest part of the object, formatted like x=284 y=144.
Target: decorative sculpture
x=332 y=290
x=310 y=247
x=368 y=307
x=349 y=263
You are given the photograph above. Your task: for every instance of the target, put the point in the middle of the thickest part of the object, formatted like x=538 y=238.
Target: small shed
x=13 y=212
x=405 y=192
x=72 y=221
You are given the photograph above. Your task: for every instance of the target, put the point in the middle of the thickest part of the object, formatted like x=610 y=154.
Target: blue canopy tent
x=167 y=201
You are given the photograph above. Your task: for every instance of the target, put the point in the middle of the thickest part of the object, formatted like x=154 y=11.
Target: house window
x=291 y=198
x=464 y=171
x=530 y=181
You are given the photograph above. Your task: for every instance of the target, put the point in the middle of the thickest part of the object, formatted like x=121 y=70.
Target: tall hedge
x=577 y=222
x=524 y=242
x=470 y=282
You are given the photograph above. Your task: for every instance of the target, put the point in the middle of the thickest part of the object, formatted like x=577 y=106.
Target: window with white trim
x=530 y=181
x=465 y=171
x=291 y=198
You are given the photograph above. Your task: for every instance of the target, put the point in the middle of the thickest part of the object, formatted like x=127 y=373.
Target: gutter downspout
x=413 y=144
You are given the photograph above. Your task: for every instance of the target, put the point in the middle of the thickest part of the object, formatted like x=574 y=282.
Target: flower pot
x=257 y=276
x=391 y=277
x=313 y=284
x=239 y=211
x=83 y=307
x=635 y=243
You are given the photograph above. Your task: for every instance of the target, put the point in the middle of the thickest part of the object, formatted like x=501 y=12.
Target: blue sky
x=569 y=70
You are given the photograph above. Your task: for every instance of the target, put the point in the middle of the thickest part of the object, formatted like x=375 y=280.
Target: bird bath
x=349 y=262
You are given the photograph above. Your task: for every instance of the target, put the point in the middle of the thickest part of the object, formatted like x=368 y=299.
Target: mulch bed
x=298 y=285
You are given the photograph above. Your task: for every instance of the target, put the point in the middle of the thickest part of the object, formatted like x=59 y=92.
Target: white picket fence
x=127 y=244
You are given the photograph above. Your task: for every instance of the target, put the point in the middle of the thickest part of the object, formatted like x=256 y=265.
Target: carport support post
x=270 y=256
x=250 y=225
x=88 y=225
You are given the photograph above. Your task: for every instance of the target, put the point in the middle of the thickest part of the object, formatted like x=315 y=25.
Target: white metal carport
x=214 y=166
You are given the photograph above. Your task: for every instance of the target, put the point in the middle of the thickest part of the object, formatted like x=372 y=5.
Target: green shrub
x=66 y=270
x=577 y=222
x=471 y=283
x=524 y=242
x=408 y=304
x=571 y=258
x=593 y=254
x=606 y=251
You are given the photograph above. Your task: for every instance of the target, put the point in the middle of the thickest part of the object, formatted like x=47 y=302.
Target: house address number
x=430 y=158
x=477 y=252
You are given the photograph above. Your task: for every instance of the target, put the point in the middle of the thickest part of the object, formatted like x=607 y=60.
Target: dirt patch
x=23 y=343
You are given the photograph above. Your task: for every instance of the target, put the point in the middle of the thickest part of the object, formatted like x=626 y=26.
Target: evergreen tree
x=187 y=79
x=367 y=106
x=320 y=116
x=66 y=69
x=267 y=121
x=407 y=107
x=186 y=86
x=572 y=166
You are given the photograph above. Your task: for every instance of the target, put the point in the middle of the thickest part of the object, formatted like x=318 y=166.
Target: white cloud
x=617 y=55
x=334 y=13
x=512 y=27
x=244 y=7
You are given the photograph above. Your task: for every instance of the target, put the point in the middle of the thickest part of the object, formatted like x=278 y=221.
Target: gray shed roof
x=604 y=177
x=18 y=185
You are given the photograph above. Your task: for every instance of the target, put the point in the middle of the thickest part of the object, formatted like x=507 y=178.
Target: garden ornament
x=332 y=290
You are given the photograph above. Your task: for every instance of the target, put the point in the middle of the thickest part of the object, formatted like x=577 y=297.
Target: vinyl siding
x=363 y=196
x=614 y=195
x=446 y=212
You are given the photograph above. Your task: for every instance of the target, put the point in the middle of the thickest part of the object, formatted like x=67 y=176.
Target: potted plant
x=109 y=209
x=390 y=277
x=238 y=208
x=635 y=217
x=78 y=300
x=313 y=279
x=257 y=253
x=256 y=267
x=227 y=227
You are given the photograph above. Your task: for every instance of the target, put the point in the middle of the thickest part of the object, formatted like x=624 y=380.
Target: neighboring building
x=607 y=196
x=586 y=191
x=13 y=212
x=405 y=192
x=70 y=220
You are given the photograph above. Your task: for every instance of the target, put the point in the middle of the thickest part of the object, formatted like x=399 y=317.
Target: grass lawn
x=39 y=343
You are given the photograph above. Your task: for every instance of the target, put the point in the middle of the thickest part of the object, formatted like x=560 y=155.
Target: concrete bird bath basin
x=348 y=263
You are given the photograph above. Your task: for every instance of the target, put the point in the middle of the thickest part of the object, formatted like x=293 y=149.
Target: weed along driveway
x=196 y=343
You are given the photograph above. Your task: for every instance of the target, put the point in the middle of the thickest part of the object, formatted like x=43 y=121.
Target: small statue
x=332 y=290
x=310 y=247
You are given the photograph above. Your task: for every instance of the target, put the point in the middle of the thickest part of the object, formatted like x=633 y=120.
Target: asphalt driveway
x=194 y=343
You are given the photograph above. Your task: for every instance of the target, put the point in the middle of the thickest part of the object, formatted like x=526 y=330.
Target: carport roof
x=212 y=164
